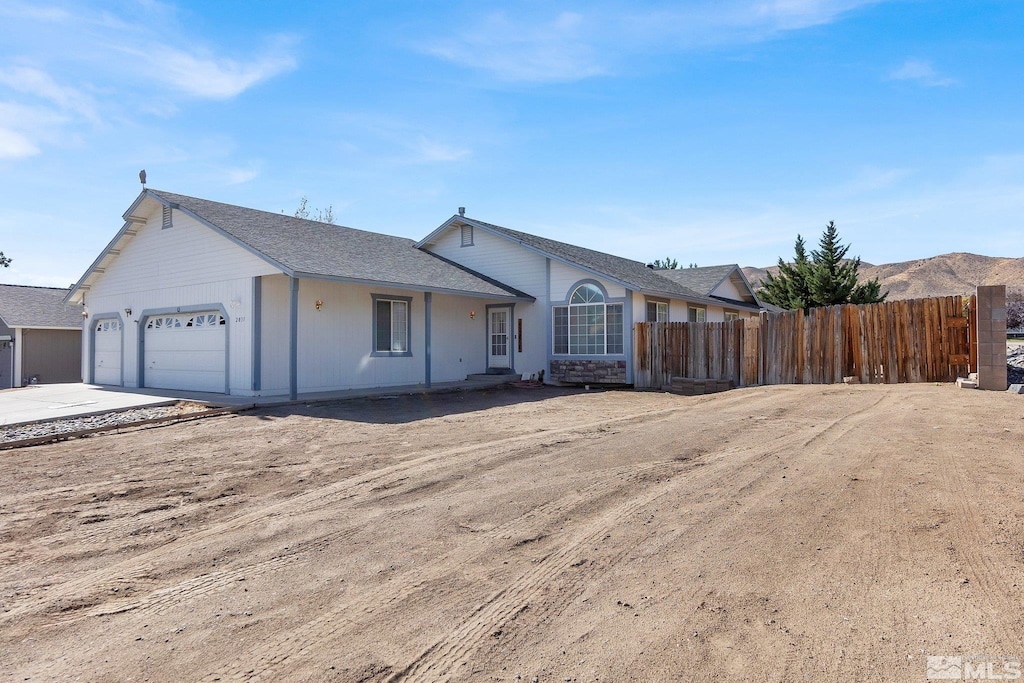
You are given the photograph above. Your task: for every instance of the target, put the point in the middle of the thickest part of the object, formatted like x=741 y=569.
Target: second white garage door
x=186 y=351
x=106 y=361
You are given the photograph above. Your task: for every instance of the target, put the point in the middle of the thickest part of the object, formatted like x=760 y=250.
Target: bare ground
x=775 y=534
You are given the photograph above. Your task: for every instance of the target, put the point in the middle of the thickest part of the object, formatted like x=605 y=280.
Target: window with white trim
x=697 y=315
x=588 y=325
x=731 y=316
x=657 y=311
x=391 y=326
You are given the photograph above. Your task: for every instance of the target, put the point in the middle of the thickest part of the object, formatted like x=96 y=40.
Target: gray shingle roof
x=312 y=248
x=24 y=306
x=632 y=273
x=701 y=280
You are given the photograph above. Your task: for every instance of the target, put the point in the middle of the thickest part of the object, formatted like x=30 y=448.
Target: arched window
x=588 y=325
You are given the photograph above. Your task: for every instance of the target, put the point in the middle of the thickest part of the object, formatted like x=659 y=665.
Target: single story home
x=40 y=337
x=199 y=295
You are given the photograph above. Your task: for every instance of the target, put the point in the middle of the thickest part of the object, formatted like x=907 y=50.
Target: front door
x=499 y=348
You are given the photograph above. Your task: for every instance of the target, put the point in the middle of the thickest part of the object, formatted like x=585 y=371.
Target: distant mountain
x=944 y=275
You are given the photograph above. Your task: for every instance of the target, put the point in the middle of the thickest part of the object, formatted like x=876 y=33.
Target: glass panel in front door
x=499 y=337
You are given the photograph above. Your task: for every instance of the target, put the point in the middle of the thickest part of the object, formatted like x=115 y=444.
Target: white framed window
x=695 y=314
x=731 y=316
x=657 y=311
x=467 y=235
x=391 y=325
x=588 y=325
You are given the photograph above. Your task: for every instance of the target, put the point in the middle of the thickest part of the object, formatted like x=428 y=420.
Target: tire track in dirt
x=966 y=530
x=86 y=587
x=445 y=656
x=329 y=625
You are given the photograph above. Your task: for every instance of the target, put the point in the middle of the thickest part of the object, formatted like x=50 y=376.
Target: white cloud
x=14 y=145
x=571 y=46
x=434 y=151
x=238 y=176
x=40 y=84
x=79 y=68
x=517 y=50
x=207 y=75
x=25 y=127
x=921 y=72
x=17 y=10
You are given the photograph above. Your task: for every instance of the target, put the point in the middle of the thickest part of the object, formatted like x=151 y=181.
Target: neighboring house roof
x=702 y=280
x=707 y=279
x=311 y=249
x=38 y=307
x=631 y=274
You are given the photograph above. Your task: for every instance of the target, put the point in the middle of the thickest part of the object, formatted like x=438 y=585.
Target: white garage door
x=185 y=351
x=106 y=360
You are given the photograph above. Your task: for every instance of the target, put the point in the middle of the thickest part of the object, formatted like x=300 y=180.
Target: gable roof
x=311 y=249
x=631 y=274
x=706 y=280
x=703 y=280
x=25 y=306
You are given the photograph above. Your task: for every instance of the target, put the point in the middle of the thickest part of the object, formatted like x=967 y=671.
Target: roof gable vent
x=467 y=235
x=167 y=218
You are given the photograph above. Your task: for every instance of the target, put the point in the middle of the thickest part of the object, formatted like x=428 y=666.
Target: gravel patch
x=1015 y=365
x=112 y=419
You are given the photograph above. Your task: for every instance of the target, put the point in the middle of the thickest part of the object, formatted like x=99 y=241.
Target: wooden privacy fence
x=918 y=340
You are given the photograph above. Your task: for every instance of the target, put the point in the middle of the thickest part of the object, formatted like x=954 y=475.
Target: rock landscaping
x=112 y=420
x=1015 y=365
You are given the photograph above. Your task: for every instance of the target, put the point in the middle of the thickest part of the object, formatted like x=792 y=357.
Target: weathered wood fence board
x=919 y=340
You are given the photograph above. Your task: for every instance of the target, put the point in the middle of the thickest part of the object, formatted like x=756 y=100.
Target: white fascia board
x=444 y=226
x=45 y=327
x=72 y=296
x=678 y=297
x=750 y=287
x=411 y=288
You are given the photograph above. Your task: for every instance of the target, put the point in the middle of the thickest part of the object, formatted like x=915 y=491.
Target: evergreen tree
x=832 y=278
x=789 y=289
x=667 y=263
x=826 y=278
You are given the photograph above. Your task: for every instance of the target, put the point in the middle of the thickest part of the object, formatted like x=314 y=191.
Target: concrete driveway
x=48 y=401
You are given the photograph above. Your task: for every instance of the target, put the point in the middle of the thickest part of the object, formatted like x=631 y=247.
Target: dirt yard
x=771 y=534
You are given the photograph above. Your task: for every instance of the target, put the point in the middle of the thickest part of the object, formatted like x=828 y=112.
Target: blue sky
x=711 y=132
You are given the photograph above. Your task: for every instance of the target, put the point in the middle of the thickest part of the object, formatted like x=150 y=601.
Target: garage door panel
x=208 y=341
x=106 y=367
x=186 y=351
x=204 y=361
x=185 y=380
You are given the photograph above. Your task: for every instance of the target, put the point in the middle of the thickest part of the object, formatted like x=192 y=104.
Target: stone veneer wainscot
x=589 y=371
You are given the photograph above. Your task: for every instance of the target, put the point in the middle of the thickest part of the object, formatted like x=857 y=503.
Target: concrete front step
x=485 y=379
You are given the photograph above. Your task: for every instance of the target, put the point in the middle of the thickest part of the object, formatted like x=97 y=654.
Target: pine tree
x=826 y=278
x=667 y=263
x=832 y=279
x=789 y=289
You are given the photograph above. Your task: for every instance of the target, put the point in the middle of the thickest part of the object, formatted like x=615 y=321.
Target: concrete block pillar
x=992 y=338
